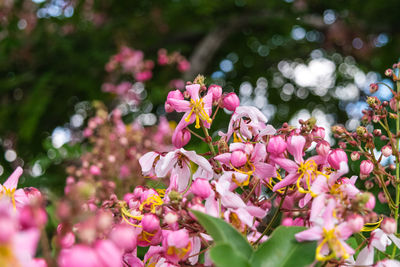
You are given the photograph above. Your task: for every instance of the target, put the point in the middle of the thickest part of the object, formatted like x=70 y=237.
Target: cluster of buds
x=115 y=150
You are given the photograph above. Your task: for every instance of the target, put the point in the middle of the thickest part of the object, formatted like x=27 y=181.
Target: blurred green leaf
x=283 y=250
x=222 y=232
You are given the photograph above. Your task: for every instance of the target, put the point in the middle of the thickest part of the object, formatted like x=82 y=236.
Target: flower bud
x=124 y=236
x=319 y=132
x=150 y=223
x=336 y=157
x=323 y=148
x=382 y=197
x=387 y=150
x=238 y=158
x=181 y=138
x=389 y=225
x=276 y=145
x=201 y=188
x=373 y=87
x=95 y=170
x=355 y=156
x=370 y=204
x=216 y=91
x=366 y=167
x=356 y=222
x=231 y=101
x=389 y=72
x=79 y=255
x=368 y=184
x=171 y=218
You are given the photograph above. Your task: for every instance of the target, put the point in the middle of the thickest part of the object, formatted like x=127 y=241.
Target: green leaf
x=224 y=255
x=282 y=250
x=223 y=232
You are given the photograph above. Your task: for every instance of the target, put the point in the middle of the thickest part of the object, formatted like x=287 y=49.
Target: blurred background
x=290 y=58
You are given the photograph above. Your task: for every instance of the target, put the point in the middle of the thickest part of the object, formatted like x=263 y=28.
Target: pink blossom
x=176 y=244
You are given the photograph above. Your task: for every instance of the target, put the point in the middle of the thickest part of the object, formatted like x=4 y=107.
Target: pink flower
x=331 y=237
x=178 y=162
x=250 y=123
x=231 y=101
x=177 y=245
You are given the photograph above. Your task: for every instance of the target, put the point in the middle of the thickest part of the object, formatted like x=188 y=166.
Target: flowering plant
x=263 y=196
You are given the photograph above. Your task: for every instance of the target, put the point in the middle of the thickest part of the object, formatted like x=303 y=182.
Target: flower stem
x=273 y=218
x=396 y=213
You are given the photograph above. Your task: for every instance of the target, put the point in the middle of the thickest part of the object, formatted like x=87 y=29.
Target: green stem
x=273 y=219
x=396 y=213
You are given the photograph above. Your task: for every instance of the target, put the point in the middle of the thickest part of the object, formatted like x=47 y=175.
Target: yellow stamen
x=368 y=227
x=161 y=192
x=200 y=112
x=271 y=183
x=153 y=201
x=180 y=252
x=334 y=245
x=310 y=169
x=10 y=193
x=249 y=173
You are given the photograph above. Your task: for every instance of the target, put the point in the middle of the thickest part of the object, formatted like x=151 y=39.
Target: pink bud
x=238 y=158
x=201 y=188
x=276 y=145
x=355 y=222
x=183 y=65
x=124 y=236
x=137 y=192
x=171 y=217
x=95 y=170
x=323 y=148
x=371 y=202
x=109 y=254
x=382 y=197
x=216 y=91
x=319 y=132
x=181 y=138
x=389 y=226
x=389 y=72
x=124 y=172
x=355 y=156
x=287 y=221
x=387 y=150
x=366 y=167
x=336 y=157
x=150 y=223
x=231 y=101
x=79 y=255
x=66 y=239
x=373 y=87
